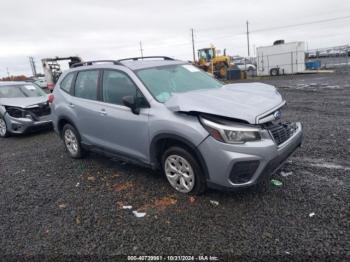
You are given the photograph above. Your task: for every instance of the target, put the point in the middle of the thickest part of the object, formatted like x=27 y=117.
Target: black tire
x=199 y=178
x=79 y=151
x=222 y=70
x=6 y=134
x=274 y=72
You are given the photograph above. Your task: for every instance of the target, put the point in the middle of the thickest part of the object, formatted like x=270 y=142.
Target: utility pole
x=7 y=70
x=248 y=38
x=32 y=65
x=193 y=49
x=141 y=49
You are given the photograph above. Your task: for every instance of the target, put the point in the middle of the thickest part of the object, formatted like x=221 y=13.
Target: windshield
x=24 y=90
x=162 y=82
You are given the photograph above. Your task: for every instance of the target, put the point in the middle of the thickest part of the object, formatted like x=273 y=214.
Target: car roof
x=13 y=83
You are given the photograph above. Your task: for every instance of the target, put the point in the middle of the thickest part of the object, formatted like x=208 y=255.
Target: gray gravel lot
x=51 y=204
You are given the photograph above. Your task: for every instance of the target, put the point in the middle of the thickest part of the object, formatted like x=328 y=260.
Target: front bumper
x=23 y=125
x=259 y=158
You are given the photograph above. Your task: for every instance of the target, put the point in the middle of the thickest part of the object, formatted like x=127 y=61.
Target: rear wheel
x=274 y=72
x=71 y=139
x=183 y=171
x=3 y=128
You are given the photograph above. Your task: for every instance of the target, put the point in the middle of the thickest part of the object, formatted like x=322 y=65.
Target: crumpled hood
x=23 y=102
x=244 y=101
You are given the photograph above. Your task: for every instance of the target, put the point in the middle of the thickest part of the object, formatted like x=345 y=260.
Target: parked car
x=246 y=67
x=324 y=53
x=169 y=115
x=311 y=54
x=42 y=83
x=23 y=107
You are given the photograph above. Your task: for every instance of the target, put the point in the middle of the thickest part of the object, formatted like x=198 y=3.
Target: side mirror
x=130 y=102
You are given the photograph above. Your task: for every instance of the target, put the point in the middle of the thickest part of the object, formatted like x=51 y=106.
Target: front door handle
x=103 y=112
x=71 y=104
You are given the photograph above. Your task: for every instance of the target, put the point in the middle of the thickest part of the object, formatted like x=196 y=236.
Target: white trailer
x=280 y=59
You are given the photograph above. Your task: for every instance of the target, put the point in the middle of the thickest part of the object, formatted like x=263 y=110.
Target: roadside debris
x=115 y=175
x=312 y=214
x=138 y=214
x=62 y=205
x=127 y=207
x=192 y=199
x=285 y=174
x=77 y=220
x=276 y=182
x=91 y=178
x=77 y=184
x=214 y=203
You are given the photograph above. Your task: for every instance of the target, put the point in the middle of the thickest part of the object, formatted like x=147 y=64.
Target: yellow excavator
x=215 y=64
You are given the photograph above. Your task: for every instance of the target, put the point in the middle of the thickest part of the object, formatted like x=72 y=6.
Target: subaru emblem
x=277 y=114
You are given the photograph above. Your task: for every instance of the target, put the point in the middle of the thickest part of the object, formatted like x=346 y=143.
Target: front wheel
x=3 y=128
x=183 y=171
x=71 y=139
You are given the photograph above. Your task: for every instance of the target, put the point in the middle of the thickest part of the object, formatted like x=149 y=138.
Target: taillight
x=50 y=98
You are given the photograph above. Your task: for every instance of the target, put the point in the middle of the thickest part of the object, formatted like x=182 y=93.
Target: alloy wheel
x=179 y=173
x=3 y=128
x=71 y=141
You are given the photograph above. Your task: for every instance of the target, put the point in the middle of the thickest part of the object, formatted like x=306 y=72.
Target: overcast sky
x=102 y=29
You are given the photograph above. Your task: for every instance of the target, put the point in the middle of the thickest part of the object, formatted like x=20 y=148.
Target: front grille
x=281 y=132
x=41 y=110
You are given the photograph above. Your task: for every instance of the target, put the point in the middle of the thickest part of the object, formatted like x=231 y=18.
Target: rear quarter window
x=66 y=83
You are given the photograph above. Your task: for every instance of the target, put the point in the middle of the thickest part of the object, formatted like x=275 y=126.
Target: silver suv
x=167 y=114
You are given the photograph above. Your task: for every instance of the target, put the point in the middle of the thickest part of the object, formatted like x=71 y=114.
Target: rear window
x=22 y=90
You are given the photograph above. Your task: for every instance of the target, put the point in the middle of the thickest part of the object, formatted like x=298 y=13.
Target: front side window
x=86 y=84
x=66 y=83
x=117 y=85
x=23 y=90
x=164 y=81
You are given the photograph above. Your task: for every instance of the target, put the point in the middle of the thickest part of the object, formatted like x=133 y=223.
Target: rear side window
x=116 y=85
x=66 y=83
x=86 y=84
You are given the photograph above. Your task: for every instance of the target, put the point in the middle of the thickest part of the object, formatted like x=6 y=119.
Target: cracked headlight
x=232 y=134
x=15 y=112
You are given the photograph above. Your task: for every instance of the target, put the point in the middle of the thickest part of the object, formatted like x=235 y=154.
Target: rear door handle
x=103 y=112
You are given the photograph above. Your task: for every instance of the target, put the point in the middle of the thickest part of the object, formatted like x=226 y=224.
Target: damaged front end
x=24 y=119
x=236 y=131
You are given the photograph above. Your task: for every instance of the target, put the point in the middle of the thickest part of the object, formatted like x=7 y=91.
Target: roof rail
x=145 y=57
x=86 y=63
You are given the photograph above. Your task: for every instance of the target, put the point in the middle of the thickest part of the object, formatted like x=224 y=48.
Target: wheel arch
x=163 y=141
x=62 y=121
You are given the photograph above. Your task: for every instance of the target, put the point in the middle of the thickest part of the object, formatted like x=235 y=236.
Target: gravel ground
x=53 y=205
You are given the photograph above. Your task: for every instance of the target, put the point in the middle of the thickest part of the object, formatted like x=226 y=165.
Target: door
x=123 y=131
x=86 y=106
